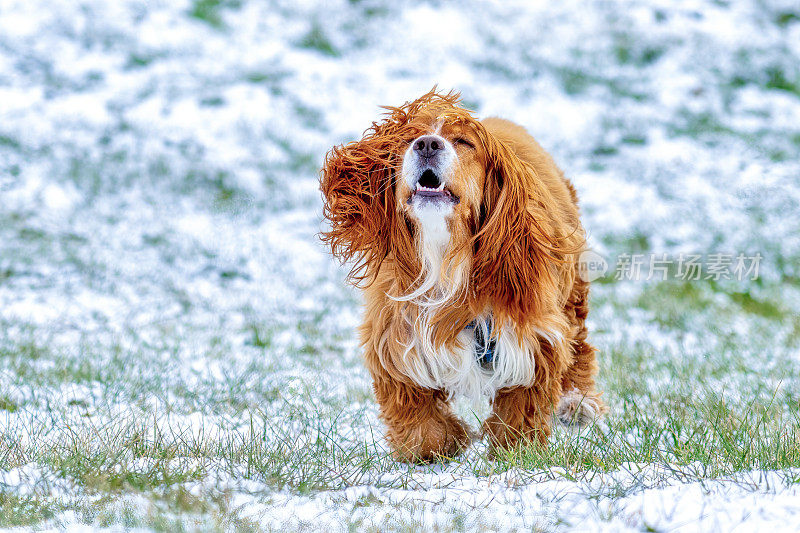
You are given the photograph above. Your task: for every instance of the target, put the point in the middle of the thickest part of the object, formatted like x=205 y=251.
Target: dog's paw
x=434 y=439
x=577 y=410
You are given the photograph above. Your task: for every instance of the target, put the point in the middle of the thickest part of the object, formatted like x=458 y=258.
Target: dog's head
x=458 y=212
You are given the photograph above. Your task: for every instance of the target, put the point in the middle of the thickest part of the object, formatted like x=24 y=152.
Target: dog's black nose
x=428 y=145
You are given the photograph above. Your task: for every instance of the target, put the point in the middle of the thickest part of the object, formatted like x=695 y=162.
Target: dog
x=465 y=237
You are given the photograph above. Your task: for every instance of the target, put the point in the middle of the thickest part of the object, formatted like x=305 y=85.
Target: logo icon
x=591 y=266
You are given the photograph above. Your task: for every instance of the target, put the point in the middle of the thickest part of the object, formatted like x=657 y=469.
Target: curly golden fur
x=507 y=266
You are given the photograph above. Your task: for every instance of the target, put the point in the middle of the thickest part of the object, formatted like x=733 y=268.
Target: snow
x=158 y=198
x=514 y=501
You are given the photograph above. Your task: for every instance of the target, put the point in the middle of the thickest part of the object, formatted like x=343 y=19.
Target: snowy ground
x=177 y=349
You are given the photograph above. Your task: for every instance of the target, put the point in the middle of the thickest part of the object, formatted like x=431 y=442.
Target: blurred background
x=159 y=204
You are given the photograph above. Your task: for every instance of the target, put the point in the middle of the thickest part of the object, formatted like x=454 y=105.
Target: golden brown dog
x=466 y=237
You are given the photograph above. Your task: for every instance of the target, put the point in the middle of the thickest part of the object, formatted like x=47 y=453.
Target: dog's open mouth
x=431 y=188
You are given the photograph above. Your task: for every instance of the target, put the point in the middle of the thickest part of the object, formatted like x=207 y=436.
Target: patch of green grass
x=634 y=139
x=225 y=194
x=369 y=9
x=112 y=369
x=104 y=458
x=173 y=510
x=139 y=61
x=627 y=53
x=576 y=81
x=754 y=305
x=212 y=101
x=738 y=82
x=210 y=11
x=10 y=142
x=779 y=156
x=777 y=79
x=273 y=78
x=25 y=511
x=605 y=150
x=30 y=234
x=34 y=363
x=316 y=39
x=677 y=302
x=6 y=404
x=773 y=77
x=699 y=124
x=298 y=161
x=309 y=117
x=261 y=337
x=710 y=130
x=259 y=77
x=673 y=434
x=785 y=18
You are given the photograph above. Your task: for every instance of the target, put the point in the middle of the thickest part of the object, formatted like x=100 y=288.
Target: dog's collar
x=484 y=351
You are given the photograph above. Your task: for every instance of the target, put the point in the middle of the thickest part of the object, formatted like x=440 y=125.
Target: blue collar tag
x=484 y=351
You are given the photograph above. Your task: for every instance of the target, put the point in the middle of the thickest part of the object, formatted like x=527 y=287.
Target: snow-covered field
x=177 y=351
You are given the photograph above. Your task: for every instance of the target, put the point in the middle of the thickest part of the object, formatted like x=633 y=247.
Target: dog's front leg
x=522 y=415
x=421 y=425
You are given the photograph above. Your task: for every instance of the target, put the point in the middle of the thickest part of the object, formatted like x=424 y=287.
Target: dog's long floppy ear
x=357 y=184
x=516 y=246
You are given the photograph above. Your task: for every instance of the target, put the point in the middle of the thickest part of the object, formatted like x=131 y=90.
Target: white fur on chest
x=458 y=371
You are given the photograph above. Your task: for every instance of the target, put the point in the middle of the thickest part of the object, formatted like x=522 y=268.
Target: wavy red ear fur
x=517 y=244
x=357 y=184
